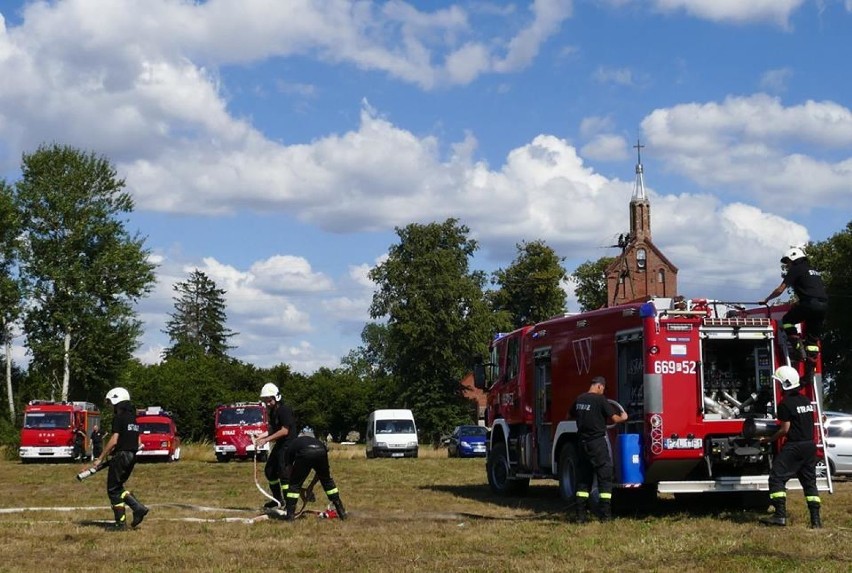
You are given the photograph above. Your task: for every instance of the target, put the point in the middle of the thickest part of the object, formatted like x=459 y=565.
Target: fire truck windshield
x=154 y=428
x=47 y=420
x=239 y=416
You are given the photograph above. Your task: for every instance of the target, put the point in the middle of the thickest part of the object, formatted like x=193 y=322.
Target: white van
x=391 y=434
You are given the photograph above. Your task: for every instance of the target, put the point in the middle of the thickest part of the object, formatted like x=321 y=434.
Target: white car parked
x=838 y=438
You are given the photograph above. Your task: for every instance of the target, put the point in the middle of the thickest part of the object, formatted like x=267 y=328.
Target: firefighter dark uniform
x=798 y=456
x=122 y=445
x=304 y=454
x=280 y=416
x=97 y=442
x=592 y=411
x=810 y=308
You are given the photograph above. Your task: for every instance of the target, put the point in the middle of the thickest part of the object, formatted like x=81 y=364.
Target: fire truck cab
x=235 y=425
x=49 y=429
x=695 y=378
x=158 y=437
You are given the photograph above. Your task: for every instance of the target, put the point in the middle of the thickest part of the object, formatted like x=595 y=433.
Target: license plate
x=397 y=455
x=45 y=451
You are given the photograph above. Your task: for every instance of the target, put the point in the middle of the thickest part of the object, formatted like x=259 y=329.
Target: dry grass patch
x=426 y=514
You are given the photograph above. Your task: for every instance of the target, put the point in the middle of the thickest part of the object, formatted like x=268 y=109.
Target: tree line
x=71 y=274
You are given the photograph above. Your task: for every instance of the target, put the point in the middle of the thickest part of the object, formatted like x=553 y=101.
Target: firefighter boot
x=605 y=510
x=580 y=506
x=290 y=512
x=120 y=517
x=338 y=506
x=780 y=516
x=275 y=488
x=139 y=510
x=813 y=508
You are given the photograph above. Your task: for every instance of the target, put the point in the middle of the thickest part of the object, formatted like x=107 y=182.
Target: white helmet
x=270 y=390
x=787 y=377
x=117 y=395
x=793 y=254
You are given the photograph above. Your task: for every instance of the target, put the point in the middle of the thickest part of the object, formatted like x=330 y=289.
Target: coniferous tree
x=197 y=327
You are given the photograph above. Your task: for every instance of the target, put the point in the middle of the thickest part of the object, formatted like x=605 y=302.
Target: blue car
x=467 y=442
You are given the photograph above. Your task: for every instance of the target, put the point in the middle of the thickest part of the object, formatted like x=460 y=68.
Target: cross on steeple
x=638 y=147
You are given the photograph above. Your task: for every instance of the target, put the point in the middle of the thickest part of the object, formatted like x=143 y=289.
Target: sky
x=277 y=145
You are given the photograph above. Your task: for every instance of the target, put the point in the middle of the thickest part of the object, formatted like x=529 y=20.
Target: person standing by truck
x=123 y=444
x=304 y=454
x=798 y=456
x=282 y=430
x=97 y=442
x=593 y=412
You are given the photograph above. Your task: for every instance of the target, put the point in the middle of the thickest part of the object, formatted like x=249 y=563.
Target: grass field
x=425 y=514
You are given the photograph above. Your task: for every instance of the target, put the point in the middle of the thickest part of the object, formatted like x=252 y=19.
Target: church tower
x=640 y=271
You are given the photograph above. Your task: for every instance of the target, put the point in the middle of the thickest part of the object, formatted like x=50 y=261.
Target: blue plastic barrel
x=630 y=458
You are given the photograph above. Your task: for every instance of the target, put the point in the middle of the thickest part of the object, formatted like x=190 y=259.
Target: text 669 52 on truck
x=695 y=378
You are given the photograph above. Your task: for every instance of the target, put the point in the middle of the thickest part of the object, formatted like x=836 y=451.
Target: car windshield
x=394 y=427
x=239 y=416
x=840 y=430
x=47 y=420
x=154 y=428
x=472 y=431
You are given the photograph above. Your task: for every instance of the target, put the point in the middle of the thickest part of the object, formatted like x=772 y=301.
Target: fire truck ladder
x=785 y=348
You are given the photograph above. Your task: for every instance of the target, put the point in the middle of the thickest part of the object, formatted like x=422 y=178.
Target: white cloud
x=776 y=81
x=618 y=76
x=736 y=11
x=754 y=145
x=606 y=147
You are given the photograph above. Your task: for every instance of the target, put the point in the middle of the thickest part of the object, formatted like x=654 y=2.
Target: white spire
x=639 y=186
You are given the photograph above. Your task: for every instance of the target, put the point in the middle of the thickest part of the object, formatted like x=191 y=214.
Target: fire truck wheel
x=568 y=464
x=499 y=473
x=223 y=458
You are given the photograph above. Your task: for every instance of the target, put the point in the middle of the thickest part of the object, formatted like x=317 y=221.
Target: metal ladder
x=784 y=343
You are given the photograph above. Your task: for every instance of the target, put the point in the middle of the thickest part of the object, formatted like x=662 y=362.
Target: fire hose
x=305 y=494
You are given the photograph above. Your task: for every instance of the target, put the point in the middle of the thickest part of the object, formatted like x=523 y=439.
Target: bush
x=10 y=439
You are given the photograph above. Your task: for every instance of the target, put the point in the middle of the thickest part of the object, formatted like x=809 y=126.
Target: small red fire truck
x=694 y=376
x=235 y=425
x=158 y=435
x=49 y=430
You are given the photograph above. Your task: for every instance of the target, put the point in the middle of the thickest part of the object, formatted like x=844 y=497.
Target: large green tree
x=590 y=278
x=10 y=292
x=833 y=257
x=437 y=319
x=83 y=270
x=198 y=324
x=530 y=288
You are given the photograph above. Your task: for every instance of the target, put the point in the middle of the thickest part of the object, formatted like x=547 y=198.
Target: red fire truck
x=235 y=424
x=158 y=435
x=49 y=430
x=695 y=378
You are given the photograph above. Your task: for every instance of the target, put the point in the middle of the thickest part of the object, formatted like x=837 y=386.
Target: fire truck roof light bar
x=735 y=335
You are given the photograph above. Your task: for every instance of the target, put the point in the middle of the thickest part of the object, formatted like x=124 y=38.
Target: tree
x=530 y=288
x=198 y=324
x=83 y=271
x=833 y=257
x=437 y=319
x=10 y=292
x=590 y=278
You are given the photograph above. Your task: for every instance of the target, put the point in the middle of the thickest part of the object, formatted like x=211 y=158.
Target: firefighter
x=78 y=450
x=282 y=430
x=809 y=309
x=798 y=456
x=304 y=454
x=97 y=442
x=123 y=444
x=593 y=412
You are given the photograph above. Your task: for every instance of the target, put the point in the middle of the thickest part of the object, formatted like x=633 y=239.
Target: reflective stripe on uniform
x=812 y=499
x=603 y=495
x=331 y=491
x=292 y=495
x=777 y=494
x=583 y=494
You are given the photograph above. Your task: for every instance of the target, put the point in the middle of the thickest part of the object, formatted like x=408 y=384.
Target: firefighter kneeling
x=798 y=457
x=304 y=454
x=593 y=412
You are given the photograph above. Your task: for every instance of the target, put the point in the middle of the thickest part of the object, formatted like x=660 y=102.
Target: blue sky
x=276 y=145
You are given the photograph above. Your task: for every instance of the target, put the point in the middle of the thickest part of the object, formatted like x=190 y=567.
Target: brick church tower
x=641 y=270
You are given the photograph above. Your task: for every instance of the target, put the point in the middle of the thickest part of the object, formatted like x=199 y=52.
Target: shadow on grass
x=544 y=502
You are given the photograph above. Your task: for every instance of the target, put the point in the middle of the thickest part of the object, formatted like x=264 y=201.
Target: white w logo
x=583 y=354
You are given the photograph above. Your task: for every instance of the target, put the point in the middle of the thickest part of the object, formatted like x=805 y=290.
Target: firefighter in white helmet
x=282 y=430
x=798 y=456
x=809 y=309
x=123 y=444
